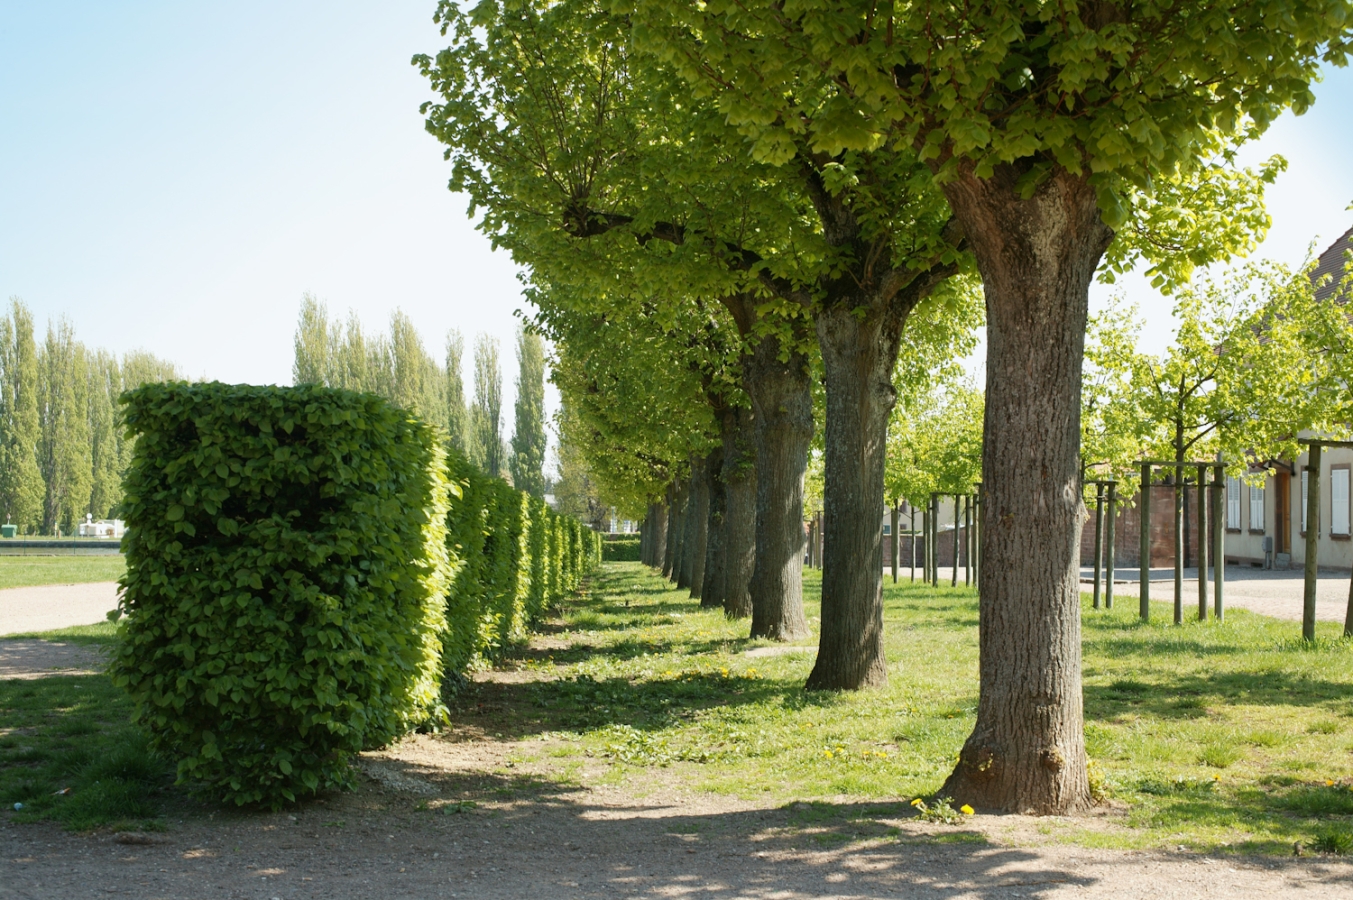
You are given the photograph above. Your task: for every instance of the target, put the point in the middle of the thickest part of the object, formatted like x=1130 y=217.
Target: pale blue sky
x=173 y=176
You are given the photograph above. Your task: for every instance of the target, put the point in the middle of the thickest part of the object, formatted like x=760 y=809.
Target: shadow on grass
x=70 y=754
x=1188 y=695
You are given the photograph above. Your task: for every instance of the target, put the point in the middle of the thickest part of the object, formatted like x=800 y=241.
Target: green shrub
x=621 y=551
x=517 y=555
x=286 y=564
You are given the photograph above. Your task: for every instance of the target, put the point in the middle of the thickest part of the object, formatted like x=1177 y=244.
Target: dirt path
x=375 y=843
x=27 y=660
x=28 y=609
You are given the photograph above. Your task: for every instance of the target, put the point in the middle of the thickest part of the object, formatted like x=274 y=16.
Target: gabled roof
x=1331 y=265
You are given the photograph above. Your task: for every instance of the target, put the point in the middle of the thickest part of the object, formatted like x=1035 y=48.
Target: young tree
x=21 y=486
x=486 y=414
x=528 y=434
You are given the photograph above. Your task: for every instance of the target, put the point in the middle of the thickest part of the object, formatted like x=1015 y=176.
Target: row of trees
x=730 y=214
x=398 y=367
x=62 y=448
x=1257 y=358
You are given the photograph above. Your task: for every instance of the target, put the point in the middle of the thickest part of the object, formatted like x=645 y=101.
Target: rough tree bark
x=1037 y=257
x=858 y=355
x=711 y=585
x=782 y=404
x=739 y=478
x=697 y=529
x=680 y=504
x=669 y=539
x=657 y=516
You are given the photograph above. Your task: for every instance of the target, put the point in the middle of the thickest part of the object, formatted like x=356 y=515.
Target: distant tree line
x=62 y=447
x=398 y=367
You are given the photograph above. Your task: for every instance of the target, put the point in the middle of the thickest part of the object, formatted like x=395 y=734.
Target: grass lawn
x=74 y=732
x=1215 y=736
x=26 y=571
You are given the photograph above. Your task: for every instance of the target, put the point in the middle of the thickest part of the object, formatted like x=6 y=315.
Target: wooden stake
x=1218 y=540
x=1144 y=585
x=1202 y=544
x=1109 y=544
x=1312 y=540
x=1099 y=538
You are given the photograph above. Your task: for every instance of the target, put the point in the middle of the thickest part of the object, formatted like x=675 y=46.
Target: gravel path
x=26 y=660
x=375 y=844
x=28 y=609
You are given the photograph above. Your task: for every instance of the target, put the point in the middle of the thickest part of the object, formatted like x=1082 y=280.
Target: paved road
x=1269 y=592
x=51 y=606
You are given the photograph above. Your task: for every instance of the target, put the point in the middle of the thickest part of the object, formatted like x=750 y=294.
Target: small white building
x=103 y=528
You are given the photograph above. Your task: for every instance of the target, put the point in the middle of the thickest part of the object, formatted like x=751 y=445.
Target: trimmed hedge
x=620 y=549
x=286 y=561
x=518 y=557
x=307 y=574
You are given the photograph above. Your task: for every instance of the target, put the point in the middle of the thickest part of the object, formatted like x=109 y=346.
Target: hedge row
x=620 y=549
x=304 y=569
x=517 y=556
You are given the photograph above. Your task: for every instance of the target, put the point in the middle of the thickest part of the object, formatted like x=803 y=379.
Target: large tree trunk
x=697 y=529
x=657 y=518
x=1037 y=257
x=739 y=478
x=858 y=355
x=711 y=585
x=783 y=406
x=678 y=528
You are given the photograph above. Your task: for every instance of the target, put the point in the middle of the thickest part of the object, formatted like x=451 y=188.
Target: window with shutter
x=1233 y=504
x=1339 y=501
x=1256 y=508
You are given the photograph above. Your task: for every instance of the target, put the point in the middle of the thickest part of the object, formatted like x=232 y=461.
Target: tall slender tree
x=105 y=384
x=315 y=342
x=21 y=485
x=528 y=433
x=457 y=416
x=486 y=415
x=64 y=448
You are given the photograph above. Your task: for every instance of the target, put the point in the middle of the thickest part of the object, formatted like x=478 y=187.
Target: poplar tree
x=528 y=433
x=21 y=486
x=457 y=416
x=313 y=362
x=105 y=385
x=486 y=415
x=64 y=448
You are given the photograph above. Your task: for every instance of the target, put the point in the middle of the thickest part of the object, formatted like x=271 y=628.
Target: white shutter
x=1256 y=508
x=1305 y=493
x=1233 y=504
x=1338 y=501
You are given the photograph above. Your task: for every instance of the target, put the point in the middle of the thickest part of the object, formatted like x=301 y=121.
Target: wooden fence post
x=1099 y=539
x=1202 y=543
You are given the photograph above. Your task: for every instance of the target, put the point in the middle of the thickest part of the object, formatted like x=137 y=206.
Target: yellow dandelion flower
x=917 y=802
x=965 y=809
x=1329 y=783
x=725 y=671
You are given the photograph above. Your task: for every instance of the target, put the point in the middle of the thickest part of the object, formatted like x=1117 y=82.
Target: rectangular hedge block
x=286 y=570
